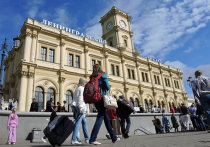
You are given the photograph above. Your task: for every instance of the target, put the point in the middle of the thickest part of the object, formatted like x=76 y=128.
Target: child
x=12 y=126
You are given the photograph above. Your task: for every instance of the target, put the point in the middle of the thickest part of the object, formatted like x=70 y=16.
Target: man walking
x=184 y=117
x=193 y=115
x=166 y=123
x=34 y=106
x=202 y=85
x=49 y=105
x=157 y=124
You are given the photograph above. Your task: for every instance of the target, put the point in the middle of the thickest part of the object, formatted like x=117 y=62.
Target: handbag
x=109 y=101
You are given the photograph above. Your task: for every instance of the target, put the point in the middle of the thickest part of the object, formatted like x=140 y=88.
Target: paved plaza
x=188 y=139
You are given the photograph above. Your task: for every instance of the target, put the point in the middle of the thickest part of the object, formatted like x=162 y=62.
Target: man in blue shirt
x=193 y=115
x=166 y=123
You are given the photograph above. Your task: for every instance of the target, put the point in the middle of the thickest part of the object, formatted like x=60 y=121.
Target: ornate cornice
x=28 y=34
x=34 y=36
x=23 y=74
x=30 y=75
x=62 y=43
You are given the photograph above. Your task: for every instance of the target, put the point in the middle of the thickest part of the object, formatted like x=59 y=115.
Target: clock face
x=122 y=23
x=109 y=25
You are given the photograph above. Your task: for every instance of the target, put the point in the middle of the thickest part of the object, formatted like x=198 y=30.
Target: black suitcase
x=59 y=130
x=125 y=106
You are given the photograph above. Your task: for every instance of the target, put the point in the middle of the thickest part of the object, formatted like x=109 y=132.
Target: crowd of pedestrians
x=81 y=111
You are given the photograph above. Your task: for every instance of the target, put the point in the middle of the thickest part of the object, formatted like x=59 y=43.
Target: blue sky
x=175 y=31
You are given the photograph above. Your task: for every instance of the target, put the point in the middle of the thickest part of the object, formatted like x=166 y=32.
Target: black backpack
x=199 y=110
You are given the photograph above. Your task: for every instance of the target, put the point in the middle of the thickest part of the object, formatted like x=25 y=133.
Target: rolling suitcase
x=59 y=130
x=125 y=106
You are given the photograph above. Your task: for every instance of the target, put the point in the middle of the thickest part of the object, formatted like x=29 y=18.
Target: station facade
x=50 y=60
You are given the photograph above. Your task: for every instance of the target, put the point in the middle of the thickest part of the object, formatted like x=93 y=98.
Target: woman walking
x=174 y=122
x=78 y=105
x=102 y=115
x=12 y=126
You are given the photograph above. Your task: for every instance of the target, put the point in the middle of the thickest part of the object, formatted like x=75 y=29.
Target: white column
x=45 y=99
x=62 y=48
x=33 y=47
x=61 y=91
x=29 y=95
x=27 y=47
x=22 y=91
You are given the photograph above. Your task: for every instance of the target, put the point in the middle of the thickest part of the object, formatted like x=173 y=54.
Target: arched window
x=146 y=105
x=51 y=94
x=163 y=105
x=136 y=103
x=173 y=104
x=150 y=106
x=69 y=99
x=159 y=104
x=39 y=96
x=169 y=104
x=131 y=101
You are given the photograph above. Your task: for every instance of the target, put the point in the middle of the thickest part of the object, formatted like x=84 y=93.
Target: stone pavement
x=188 y=139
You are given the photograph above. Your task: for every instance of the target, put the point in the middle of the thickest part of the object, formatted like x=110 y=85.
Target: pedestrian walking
x=49 y=105
x=52 y=116
x=184 y=117
x=141 y=109
x=193 y=116
x=13 y=104
x=202 y=85
x=166 y=123
x=163 y=110
x=112 y=116
x=199 y=113
x=34 y=106
x=174 y=122
x=124 y=116
x=172 y=110
x=65 y=106
x=12 y=126
x=78 y=105
x=59 y=107
x=102 y=115
x=157 y=124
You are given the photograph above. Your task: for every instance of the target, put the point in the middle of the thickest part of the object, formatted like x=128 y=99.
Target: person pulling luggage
x=52 y=116
x=125 y=108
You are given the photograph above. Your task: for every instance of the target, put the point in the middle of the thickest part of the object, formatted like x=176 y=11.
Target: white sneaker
x=13 y=143
x=76 y=142
x=8 y=143
x=87 y=141
x=43 y=140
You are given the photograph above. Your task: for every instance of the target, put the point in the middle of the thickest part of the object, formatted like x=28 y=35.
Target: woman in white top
x=79 y=104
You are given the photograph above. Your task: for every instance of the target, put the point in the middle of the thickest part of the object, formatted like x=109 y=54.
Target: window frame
x=71 y=61
x=51 y=56
x=77 y=63
x=45 y=55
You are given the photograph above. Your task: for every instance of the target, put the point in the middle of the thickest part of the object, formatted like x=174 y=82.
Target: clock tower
x=116 y=29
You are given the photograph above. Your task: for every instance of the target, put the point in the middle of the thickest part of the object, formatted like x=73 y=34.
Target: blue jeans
x=194 y=122
x=205 y=103
x=201 y=124
x=84 y=128
x=102 y=115
x=124 y=118
x=167 y=129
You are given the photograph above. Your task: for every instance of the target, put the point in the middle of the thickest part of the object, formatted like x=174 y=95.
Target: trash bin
x=36 y=135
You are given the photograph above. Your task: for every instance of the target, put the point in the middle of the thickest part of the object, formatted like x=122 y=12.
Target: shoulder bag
x=109 y=101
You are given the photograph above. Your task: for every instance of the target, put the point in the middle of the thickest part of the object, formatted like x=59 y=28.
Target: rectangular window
x=99 y=62
x=51 y=55
x=177 y=84
x=112 y=68
x=110 y=43
x=146 y=76
x=143 y=77
x=93 y=63
x=155 y=79
x=77 y=62
x=43 y=53
x=129 y=74
x=125 y=42
x=166 y=82
x=133 y=76
x=71 y=60
x=158 y=80
x=117 y=71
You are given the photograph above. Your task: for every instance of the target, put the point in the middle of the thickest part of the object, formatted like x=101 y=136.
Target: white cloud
x=158 y=26
x=188 y=50
x=34 y=7
x=189 y=71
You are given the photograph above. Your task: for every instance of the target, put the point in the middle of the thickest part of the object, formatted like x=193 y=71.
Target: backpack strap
x=98 y=77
